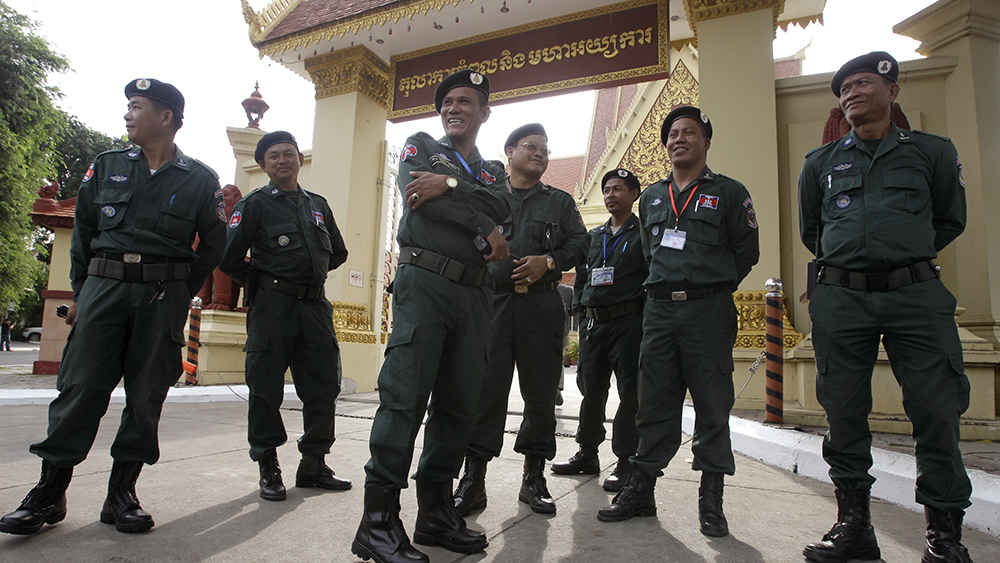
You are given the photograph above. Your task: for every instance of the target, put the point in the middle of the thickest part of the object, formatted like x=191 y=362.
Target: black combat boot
x=381 y=535
x=635 y=499
x=439 y=523
x=122 y=506
x=313 y=472
x=583 y=462
x=534 y=492
x=944 y=537
x=619 y=476
x=852 y=537
x=471 y=492
x=45 y=504
x=271 y=487
x=713 y=521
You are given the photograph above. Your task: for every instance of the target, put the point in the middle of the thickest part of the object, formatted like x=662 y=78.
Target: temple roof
x=53 y=214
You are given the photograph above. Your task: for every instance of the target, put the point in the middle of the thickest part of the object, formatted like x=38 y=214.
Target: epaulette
x=821 y=147
x=926 y=134
x=205 y=166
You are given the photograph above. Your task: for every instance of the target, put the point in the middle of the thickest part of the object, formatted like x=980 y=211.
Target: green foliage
x=76 y=151
x=29 y=129
x=573 y=351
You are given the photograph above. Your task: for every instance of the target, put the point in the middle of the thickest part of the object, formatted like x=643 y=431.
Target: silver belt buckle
x=132 y=257
x=678 y=296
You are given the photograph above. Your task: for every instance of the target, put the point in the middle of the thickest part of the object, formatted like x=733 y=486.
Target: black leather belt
x=687 y=295
x=880 y=281
x=450 y=268
x=614 y=311
x=135 y=267
x=511 y=287
x=297 y=290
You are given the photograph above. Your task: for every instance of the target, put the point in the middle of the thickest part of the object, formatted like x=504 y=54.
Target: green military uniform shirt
x=885 y=209
x=448 y=224
x=721 y=228
x=292 y=239
x=539 y=217
x=124 y=207
x=621 y=251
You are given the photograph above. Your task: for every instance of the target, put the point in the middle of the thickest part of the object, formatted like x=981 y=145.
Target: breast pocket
x=506 y=228
x=705 y=227
x=283 y=236
x=656 y=224
x=177 y=219
x=907 y=191
x=112 y=204
x=844 y=196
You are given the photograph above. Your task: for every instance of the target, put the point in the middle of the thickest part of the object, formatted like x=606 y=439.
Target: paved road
x=22 y=353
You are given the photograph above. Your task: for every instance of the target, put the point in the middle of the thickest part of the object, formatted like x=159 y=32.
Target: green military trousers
x=608 y=346
x=122 y=330
x=917 y=327
x=527 y=330
x=437 y=352
x=283 y=331
x=686 y=346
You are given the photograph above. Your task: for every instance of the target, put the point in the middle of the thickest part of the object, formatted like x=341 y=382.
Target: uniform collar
x=275 y=191
x=538 y=187
x=180 y=160
x=630 y=224
x=474 y=157
x=895 y=136
x=706 y=176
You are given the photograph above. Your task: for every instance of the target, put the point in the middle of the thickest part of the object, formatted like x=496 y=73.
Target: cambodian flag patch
x=487 y=177
x=318 y=217
x=89 y=174
x=709 y=201
x=408 y=151
x=234 y=221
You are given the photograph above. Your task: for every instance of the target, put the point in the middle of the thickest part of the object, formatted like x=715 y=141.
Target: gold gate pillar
x=969 y=31
x=736 y=89
x=352 y=96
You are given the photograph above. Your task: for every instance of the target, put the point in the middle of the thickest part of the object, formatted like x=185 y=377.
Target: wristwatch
x=550 y=262
x=452 y=182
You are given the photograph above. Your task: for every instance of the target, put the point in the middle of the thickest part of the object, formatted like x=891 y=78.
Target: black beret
x=162 y=92
x=876 y=62
x=685 y=111
x=271 y=139
x=630 y=179
x=523 y=131
x=461 y=78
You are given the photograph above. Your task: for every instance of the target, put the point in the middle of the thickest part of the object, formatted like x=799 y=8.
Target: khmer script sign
x=616 y=44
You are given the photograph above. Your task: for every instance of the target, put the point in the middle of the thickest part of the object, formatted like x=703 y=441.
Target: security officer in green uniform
x=612 y=297
x=441 y=314
x=293 y=242
x=133 y=274
x=546 y=236
x=876 y=206
x=699 y=235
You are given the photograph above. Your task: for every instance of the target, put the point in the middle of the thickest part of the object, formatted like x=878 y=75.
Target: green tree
x=29 y=129
x=76 y=150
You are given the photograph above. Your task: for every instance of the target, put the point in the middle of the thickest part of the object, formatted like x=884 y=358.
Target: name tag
x=602 y=276
x=674 y=239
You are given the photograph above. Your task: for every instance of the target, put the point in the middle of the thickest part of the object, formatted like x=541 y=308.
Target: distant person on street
x=5 y=335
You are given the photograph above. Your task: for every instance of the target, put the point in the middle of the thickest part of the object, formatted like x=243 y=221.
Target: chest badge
x=656 y=202
x=656 y=230
x=318 y=217
x=283 y=240
x=108 y=210
x=118 y=178
x=843 y=200
x=500 y=229
x=709 y=201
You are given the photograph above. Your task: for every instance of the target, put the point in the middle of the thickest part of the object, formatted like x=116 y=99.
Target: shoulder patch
x=89 y=174
x=220 y=210
x=235 y=220
x=408 y=151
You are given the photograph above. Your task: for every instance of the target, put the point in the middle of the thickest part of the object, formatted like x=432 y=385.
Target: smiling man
x=699 y=237
x=293 y=242
x=546 y=236
x=879 y=204
x=435 y=358
x=133 y=272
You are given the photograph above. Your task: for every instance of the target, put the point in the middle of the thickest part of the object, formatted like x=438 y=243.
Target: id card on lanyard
x=676 y=238
x=605 y=275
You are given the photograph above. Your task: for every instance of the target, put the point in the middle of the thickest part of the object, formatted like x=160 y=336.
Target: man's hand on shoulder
x=424 y=186
x=498 y=244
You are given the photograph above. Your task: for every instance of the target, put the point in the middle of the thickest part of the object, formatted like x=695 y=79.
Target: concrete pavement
x=203 y=496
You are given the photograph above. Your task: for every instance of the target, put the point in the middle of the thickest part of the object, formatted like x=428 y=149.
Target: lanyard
x=466 y=165
x=618 y=238
x=670 y=188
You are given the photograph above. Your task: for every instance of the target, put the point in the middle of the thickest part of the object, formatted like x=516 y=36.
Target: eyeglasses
x=532 y=147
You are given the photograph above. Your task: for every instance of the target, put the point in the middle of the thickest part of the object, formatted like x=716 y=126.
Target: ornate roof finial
x=255 y=107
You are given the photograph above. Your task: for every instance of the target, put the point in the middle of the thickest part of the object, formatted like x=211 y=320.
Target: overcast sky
x=202 y=47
